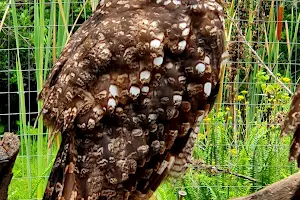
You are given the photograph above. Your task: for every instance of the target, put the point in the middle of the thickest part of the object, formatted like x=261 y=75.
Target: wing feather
x=291 y=125
x=61 y=179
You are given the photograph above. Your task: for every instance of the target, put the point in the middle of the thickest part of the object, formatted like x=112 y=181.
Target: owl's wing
x=74 y=43
x=62 y=178
x=107 y=42
x=81 y=89
x=71 y=74
x=291 y=125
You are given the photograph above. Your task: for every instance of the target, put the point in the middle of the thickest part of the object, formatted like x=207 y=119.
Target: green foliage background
x=238 y=150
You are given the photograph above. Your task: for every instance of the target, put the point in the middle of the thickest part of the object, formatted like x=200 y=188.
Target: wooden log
x=287 y=189
x=9 y=148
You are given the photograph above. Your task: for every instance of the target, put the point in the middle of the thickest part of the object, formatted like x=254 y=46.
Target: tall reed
x=22 y=109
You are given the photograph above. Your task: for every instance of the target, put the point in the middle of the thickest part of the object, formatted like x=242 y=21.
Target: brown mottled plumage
x=128 y=93
x=291 y=125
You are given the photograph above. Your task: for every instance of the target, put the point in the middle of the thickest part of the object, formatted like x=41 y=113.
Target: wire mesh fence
x=238 y=150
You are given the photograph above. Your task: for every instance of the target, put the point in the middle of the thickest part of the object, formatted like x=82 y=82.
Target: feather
x=291 y=125
x=128 y=93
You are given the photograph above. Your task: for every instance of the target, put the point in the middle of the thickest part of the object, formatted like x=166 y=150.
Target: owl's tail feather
x=61 y=181
x=292 y=125
x=295 y=147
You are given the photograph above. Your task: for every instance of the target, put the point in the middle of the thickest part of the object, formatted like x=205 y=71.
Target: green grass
x=240 y=136
x=26 y=185
x=34 y=162
x=261 y=157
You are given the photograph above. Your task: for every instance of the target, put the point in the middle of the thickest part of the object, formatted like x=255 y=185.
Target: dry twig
x=199 y=165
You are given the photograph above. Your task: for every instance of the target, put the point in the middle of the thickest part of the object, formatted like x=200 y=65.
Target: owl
x=127 y=95
x=291 y=125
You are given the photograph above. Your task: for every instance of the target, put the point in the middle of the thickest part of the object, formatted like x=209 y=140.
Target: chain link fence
x=238 y=150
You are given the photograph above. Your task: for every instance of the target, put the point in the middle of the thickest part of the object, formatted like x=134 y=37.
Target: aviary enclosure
x=239 y=149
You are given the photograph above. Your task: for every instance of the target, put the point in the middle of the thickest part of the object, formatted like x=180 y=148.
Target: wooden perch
x=287 y=189
x=9 y=148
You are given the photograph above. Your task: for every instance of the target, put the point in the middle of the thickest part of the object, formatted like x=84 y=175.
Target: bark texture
x=9 y=148
x=287 y=189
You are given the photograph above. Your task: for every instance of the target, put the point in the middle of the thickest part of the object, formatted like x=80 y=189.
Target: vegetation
x=238 y=150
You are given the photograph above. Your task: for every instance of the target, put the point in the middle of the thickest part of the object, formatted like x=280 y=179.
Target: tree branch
x=9 y=148
x=287 y=189
x=199 y=165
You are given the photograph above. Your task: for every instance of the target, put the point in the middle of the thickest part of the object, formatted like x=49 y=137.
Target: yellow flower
x=286 y=79
x=227 y=108
x=201 y=136
x=285 y=97
x=207 y=119
x=229 y=118
x=233 y=151
x=240 y=97
x=244 y=92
